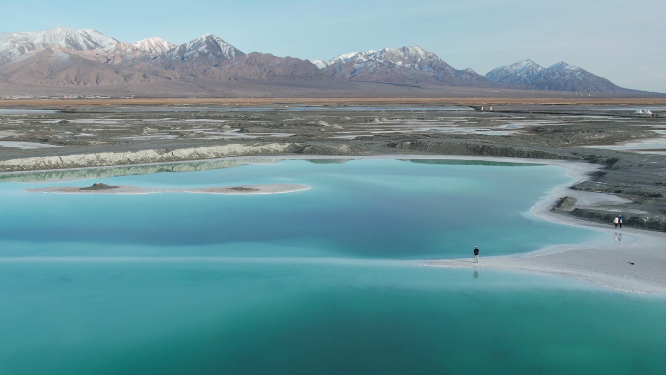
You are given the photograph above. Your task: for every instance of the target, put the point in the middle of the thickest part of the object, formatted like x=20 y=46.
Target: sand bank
x=636 y=264
x=132 y=190
x=627 y=259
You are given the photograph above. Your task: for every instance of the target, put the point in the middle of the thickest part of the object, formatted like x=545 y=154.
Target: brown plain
x=326 y=101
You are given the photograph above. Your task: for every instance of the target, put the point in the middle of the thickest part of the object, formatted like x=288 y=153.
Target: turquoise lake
x=324 y=281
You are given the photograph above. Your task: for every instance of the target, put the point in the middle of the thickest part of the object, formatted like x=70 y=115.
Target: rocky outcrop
x=624 y=189
x=328 y=161
x=651 y=222
x=144 y=156
x=99 y=186
x=108 y=172
x=324 y=150
x=565 y=204
x=478 y=149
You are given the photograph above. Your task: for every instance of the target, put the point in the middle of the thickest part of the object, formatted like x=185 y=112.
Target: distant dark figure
x=620 y=219
x=616 y=221
x=476 y=254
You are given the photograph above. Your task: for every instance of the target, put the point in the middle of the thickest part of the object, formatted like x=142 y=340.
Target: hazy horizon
x=611 y=39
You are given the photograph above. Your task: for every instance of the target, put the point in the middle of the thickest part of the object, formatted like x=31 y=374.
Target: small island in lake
x=101 y=188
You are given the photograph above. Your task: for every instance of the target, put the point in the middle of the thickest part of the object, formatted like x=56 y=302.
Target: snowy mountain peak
x=523 y=64
x=559 y=77
x=209 y=44
x=321 y=64
x=415 y=51
x=154 y=45
x=563 y=66
x=130 y=53
x=73 y=39
x=15 y=45
x=199 y=54
x=520 y=73
x=406 y=65
x=209 y=37
x=342 y=58
x=400 y=56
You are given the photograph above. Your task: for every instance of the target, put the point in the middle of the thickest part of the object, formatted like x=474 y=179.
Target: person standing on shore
x=476 y=254
x=616 y=221
x=620 y=219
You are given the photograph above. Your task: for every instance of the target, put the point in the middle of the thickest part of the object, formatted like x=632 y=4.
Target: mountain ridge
x=404 y=65
x=560 y=76
x=209 y=57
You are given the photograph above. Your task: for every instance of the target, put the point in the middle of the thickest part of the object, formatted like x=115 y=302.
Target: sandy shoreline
x=627 y=259
x=604 y=262
x=134 y=190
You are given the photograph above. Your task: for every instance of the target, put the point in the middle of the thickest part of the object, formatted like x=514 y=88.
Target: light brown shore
x=196 y=102
x=133 y=190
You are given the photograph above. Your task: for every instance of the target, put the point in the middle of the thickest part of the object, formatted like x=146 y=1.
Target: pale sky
x=619 y=40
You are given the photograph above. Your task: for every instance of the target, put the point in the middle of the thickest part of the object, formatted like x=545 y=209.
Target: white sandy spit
x=226 y=190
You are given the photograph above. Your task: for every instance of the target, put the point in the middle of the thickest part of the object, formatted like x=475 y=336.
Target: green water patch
x=260 y=317
x=323 y=281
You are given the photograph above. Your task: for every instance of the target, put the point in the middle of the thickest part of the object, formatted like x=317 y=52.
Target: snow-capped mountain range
x=520 y=73
x=559 y=77
x=63 y=56
x=199 y=55
x=406 y=65
x=15 y=45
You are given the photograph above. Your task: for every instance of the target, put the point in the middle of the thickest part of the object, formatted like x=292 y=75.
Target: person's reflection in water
x=476 y=273
x=618 y=237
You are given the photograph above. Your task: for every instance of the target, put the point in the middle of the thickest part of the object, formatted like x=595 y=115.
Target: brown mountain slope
x=196 y=56
x=265 y=67
x=64 y=69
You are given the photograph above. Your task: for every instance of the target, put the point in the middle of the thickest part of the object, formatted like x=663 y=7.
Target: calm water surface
x=326 y=281
x=384 y=209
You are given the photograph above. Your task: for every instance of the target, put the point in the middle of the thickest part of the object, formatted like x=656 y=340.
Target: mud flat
x=132 y=190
